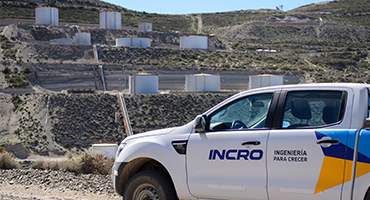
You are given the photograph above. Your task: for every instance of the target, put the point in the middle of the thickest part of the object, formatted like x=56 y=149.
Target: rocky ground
x=56 y=185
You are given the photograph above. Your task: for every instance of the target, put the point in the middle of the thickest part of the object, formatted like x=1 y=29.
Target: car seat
x=301 y=110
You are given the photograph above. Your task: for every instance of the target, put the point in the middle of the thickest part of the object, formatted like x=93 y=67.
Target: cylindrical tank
x=109 y=20
x=107 y=149
x=264 y=80
x=145 y=26
x=83 y=38
x=143 y=83
x=123 y=42
x=61 y=41
x=202 y=83
x=194 y=41
x=47 y=15
x=133 y=42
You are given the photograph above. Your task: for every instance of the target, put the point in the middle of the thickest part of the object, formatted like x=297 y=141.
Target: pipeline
x=126 y=119
x=77 y=29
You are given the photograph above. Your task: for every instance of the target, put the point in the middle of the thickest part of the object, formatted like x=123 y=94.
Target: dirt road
x=55 y=185
x=19 y=191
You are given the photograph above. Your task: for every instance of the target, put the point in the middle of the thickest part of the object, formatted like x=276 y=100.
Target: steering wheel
x=237 y=124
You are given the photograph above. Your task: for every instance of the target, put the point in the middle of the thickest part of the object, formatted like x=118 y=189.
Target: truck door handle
x=328 y=141
x=255 y=143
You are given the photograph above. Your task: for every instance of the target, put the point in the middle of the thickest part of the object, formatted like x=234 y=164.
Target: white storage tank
x=123 y=42
x=202 y=83
x=194 y=41
x=109 y=19
x=264 y=80
x=61 y=41
x=83 y=38
x=107 y=149
x=143 y=83
x=47 y=15
x=133 y=42
x=145 y=26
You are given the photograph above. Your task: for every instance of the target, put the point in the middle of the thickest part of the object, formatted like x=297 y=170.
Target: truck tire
x=150 y=184
x=367 y=195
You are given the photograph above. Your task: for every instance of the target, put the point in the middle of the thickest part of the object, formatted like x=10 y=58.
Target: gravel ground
x=60 y=185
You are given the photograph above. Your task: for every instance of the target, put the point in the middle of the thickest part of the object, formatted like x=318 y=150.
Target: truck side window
x=313 y=108
x=248 y=112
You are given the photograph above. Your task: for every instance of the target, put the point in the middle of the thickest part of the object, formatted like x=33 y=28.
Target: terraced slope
x=53 y=123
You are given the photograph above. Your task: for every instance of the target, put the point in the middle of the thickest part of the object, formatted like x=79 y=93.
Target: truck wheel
x=367 y=195
x=150 y=185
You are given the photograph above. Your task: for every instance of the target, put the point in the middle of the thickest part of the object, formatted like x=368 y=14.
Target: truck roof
x=315 y=85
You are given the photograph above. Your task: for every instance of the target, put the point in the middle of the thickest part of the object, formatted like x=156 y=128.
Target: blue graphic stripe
x=343 y=151
x=335 y=151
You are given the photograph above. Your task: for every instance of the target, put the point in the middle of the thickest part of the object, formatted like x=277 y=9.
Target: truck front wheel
x=150 y=185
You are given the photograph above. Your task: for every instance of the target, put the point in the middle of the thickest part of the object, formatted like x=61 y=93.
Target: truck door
x=229 y=161
x=307 y=150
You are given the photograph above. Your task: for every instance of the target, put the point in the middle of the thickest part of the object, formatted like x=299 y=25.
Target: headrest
x=330 y=114
x=301 y=109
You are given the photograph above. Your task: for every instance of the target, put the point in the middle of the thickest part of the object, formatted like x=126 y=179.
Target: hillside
x=303 y=50
x=51 y=124
x=34 y=71
x=353 y=12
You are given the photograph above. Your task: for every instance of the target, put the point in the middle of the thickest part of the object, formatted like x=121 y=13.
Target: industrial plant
x=79 y=74
x=138 y=83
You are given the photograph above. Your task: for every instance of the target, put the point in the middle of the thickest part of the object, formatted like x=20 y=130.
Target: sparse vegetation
x=85 y=162
x=9 y=54
x=355 y=12
x=7 y=160
x=15 y=78
x=4 y=39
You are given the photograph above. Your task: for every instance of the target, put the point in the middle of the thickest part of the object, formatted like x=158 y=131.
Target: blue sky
x=206 y=6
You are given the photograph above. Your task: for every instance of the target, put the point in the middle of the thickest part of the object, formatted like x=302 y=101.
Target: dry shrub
x=7 y=161
x=102 y=164
x=47 y=165
x=95 y=163
x=86 y=162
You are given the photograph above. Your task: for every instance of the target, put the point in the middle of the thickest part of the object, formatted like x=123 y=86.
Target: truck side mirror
x=201 y=124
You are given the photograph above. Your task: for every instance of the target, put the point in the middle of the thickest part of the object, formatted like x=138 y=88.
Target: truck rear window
x=313 y=108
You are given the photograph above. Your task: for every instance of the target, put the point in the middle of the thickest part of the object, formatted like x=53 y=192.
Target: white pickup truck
x=308 y=141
